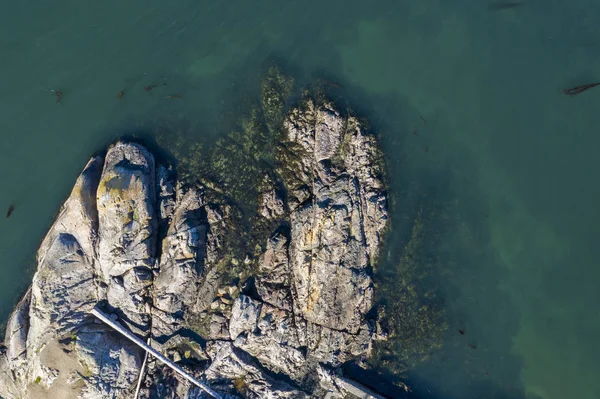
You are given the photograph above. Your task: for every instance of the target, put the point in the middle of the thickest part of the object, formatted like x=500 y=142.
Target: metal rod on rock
x=141 y=377
x=102 y=316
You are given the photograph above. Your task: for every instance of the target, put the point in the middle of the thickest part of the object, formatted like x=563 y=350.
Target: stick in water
x=579 y=89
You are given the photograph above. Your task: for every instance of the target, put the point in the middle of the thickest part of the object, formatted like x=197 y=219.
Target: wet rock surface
x=153 y=252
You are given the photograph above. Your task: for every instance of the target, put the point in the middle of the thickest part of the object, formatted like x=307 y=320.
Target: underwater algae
x=237 y=168
x=415 y=315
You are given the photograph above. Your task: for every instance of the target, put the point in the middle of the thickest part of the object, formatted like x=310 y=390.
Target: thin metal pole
x=139 y=384
x=99 y=314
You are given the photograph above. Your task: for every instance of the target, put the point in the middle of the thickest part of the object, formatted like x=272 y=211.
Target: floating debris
x=58 y=93
x=579 y=89
x=11 y=208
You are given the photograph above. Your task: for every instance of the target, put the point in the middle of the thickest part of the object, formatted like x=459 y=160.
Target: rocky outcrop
x=153 y=252
x=127 y=233
x=337 y=217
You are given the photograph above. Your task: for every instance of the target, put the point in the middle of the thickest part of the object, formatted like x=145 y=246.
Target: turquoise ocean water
x=515 y=159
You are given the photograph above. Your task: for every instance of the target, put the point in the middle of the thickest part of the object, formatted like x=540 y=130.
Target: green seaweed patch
x=191 y=155
x=288 y=160
x=234 y=167
x=289 y=154
x=416 y=318
x=275 y=91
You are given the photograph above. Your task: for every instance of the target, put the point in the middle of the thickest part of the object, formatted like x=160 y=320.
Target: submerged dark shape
x=579 y=89
x=58 y=93
x=504 y=5
x=461 y=331
x=333 y=84
x=154 y=85
x=11 y=208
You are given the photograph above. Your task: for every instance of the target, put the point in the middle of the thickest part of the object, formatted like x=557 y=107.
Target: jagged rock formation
x=152 y=251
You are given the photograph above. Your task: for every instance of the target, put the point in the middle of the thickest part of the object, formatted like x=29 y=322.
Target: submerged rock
x=152 y=251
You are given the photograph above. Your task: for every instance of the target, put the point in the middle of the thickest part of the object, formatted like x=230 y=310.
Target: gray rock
x=166 y=193
x=111 y=365
x=244 y=316
x=17 y=329
x=271 y=204
x=230 y=363
x=219 y=327
x=269 y=334
x=333 y=245
x=273 y=282
x=153 y=251
x=181 y=264
x=127 y=230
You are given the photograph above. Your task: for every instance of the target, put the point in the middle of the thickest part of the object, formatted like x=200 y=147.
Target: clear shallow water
x=514 y=158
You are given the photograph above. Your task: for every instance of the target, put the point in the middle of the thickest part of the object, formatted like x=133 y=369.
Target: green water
x=509 y=155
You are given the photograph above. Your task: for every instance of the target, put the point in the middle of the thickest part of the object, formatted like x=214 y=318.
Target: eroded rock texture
x=152 y=251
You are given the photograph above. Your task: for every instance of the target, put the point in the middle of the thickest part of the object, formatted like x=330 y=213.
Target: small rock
x=226 y=301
